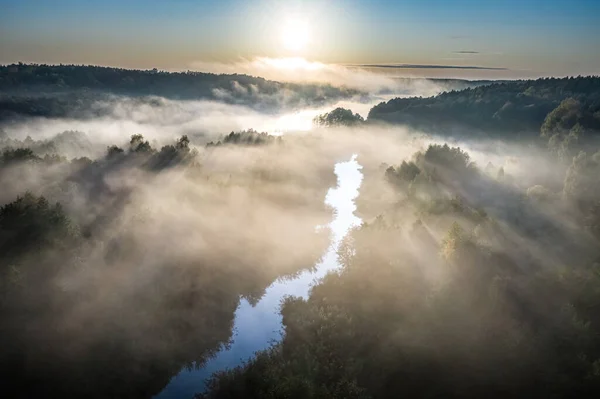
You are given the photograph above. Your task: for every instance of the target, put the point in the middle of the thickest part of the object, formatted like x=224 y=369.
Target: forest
x=461 y=284
x=102 y=277
x=463 y=281
x=32 y=90
x=475 y=271
x=511 y=109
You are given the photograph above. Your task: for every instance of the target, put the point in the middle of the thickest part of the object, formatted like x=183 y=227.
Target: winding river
x=257 y=327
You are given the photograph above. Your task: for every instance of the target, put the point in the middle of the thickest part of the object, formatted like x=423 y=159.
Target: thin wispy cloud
x=300 y=70
x=413 y=66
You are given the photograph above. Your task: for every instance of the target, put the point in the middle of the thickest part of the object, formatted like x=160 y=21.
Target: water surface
x=258 y=327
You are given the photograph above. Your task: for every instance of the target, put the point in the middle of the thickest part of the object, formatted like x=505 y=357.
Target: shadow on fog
x=257 y=327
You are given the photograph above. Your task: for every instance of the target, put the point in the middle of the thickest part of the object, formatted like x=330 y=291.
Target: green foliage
x=457 y=246
x=582 y=182
x=510 y=109
x=562 y=118
x=403 y=175
x=30 y=226
x=570 y=128
x=12 y=156
x=25 y=156
x=445 y=158
x=179 y=154
x=439 y=161
x=470 y=314
x=338 y=117
x=246 y=138
x=68 y=143
x=110 y=312
x=137 y=144
x=430 y=179
x=381 y=329
x=433 y=310
x=113 y=152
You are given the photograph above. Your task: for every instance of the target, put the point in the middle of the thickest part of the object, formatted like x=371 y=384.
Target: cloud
x=466 y=52
x=414 y=66
x=300 y=70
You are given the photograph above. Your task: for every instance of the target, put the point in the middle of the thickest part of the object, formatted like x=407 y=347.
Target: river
x=258 y=327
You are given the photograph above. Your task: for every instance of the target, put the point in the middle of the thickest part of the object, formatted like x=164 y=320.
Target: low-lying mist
x=130 y=233
x=465 y=280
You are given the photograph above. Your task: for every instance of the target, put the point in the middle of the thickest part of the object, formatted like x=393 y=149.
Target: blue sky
x=545 y=37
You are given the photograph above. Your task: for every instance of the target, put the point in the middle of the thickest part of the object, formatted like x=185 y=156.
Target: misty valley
x=201 y=235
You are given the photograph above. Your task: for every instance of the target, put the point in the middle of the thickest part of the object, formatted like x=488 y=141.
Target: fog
x=300 y=70
x=138 y=272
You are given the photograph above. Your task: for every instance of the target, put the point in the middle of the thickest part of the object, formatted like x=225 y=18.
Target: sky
x=511 y=37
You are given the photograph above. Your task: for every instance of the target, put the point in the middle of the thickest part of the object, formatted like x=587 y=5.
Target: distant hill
x=512 y=107
x=413 y=85
x=64 y=90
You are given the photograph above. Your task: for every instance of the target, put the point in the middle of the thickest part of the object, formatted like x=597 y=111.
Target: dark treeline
x=246 y=137
x=178 y=85
x=465 y=285
x=515 y=109
x=70 y=90
x=69 y=143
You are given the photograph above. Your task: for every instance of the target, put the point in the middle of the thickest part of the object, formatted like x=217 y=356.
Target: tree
x=31 y=224
x=113 y=152
x=445 y=158
x=172 y=155
x=11 y=156
x=183 y=143
x=500 y=174
x=562 y=118
x=137 y=144
x=582 y=182
x=338 y=117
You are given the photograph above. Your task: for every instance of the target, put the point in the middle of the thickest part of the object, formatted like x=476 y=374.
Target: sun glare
x=295 y=35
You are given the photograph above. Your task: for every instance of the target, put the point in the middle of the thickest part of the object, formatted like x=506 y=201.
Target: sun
x=295 y=35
